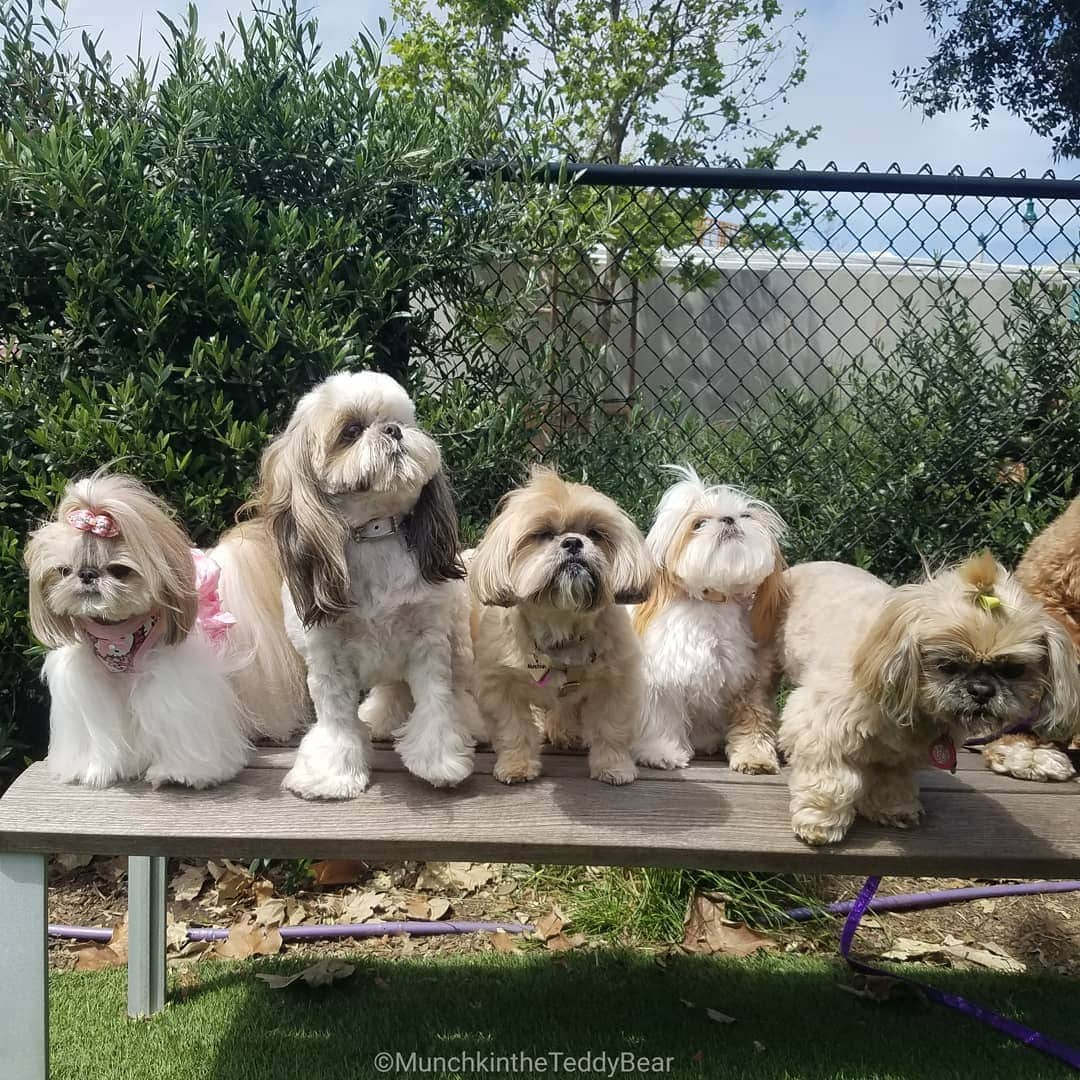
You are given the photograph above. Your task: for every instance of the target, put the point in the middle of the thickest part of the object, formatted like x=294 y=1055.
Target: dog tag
x=943 y=754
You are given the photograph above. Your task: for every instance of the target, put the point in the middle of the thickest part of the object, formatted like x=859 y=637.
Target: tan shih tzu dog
x=355 y=505
x=555 y=652
x=715 y=604
x=1050 y=569
x=140 y=659
x=891 y=680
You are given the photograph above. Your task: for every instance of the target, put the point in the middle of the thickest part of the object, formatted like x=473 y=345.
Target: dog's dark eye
x=700 y=524
x=118 y=571
x=544 y=535
x=1009 y=670
x=64 y=571
x=950 y=667
x=596 y=536
x=744 y=515
x=352 y=431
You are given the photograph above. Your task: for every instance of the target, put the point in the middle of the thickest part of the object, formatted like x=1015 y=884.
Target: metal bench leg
x=24 y=967
x=146 y=935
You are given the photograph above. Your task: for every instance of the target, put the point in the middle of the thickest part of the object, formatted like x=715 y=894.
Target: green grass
x=791 y=1020
x=648 y=905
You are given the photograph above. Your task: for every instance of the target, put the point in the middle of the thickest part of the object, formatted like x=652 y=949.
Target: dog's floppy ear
x=489 y=567
x=308 y=536
x=52 y=630
x=633 y=571
x=1059 y=717
x=886 y=665
x=769 y=602
x=431 y=530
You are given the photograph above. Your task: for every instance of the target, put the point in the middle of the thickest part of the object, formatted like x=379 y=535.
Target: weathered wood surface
x=705 y=816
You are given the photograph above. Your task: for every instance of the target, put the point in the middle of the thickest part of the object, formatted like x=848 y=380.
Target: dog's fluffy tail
x=269 y=675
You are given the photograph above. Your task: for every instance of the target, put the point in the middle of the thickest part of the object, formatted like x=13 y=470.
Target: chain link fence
x=890 y=358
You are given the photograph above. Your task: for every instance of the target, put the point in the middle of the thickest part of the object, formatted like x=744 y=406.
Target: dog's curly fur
x=1050 y=569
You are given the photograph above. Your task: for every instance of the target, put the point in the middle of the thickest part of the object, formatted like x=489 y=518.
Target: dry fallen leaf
x=96 y=957
x=246 y=939
x=549 y=926
x=463 y=877
x=719 y=1017
x=296 y=912
x=323 y=973
x=559 y=943
x=231 y=879
x=878 y=987
x=188 y=882
x=706 y=931
x=338 y=871
x=417 y=908
x=270 y=912
x=438 y=906
x=175 y=935
x=359 y=907
x=992 y=956
x=503 y=942
x=262 y=890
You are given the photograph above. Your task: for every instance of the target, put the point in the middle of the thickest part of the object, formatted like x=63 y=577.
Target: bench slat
x=720 y=822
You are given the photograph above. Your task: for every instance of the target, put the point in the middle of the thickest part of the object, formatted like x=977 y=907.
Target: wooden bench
x=978 y=825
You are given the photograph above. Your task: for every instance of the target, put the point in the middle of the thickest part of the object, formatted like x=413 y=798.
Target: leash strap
x=1013 y=1028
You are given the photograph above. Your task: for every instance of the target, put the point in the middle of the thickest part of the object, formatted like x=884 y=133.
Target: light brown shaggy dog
x=1050 y=569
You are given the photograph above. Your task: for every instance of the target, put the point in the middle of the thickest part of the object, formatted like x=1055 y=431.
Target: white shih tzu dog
x=715 y=605
x=363 y=524
x=891 y=680
x=138 y=668
x=555 y=651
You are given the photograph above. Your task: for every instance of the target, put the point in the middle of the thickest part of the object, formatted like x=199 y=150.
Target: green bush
x=182 y=255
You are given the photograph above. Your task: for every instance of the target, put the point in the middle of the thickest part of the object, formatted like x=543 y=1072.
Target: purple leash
x=1013 y=1028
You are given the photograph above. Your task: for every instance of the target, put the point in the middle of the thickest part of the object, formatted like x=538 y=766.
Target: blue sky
x=848 y=91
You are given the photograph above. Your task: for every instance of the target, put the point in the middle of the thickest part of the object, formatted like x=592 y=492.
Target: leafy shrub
x=181 y=256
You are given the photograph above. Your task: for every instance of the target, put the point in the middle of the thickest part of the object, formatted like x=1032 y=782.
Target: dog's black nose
x=393 y=430
x=727 y=520
x=573 y=544
x=982 y=689
x=88 y=576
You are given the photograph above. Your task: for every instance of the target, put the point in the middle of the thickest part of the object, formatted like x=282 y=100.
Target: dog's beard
x=733 y=560
x=949 y=702
x=574 y=587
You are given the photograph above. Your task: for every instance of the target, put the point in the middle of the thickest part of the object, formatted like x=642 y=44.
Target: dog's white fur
x=715 y=604
x=550 y=575
x=882 y=673
x=389 y=613
x=175 y=718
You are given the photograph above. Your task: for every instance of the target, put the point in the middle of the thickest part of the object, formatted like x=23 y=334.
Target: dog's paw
x=96 y=775
x=444 y=764
x=819 y=835
x=906 y=817
x=516 y=768
x=328 y=767
x=1039 y=762
x=612 y=768
x=158 y=775
x=754 y=762
x=663 y=755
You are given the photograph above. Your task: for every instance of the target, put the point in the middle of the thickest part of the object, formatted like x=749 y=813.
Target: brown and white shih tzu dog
x=715 y=604
x=1050 y=569
x=892 y=680
x=555 y=652
x=139 y=662
x=363 y=524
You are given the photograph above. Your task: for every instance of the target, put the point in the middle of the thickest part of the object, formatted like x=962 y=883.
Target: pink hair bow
x=99 y=524
x=214 y=621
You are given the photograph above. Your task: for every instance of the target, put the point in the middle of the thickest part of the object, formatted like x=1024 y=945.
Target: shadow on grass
x=791 y=1021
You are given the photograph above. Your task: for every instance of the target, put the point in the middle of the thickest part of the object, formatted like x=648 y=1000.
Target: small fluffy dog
x=361 y=518
x=717 y=599
x=136 y=669
x=890 y=680
x=555 y=652
x=1050 y=569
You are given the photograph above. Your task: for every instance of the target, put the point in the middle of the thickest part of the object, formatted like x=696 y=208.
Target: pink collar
x=119 y=646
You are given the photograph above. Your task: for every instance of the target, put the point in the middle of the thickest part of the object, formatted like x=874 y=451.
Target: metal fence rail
x=889 y=357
